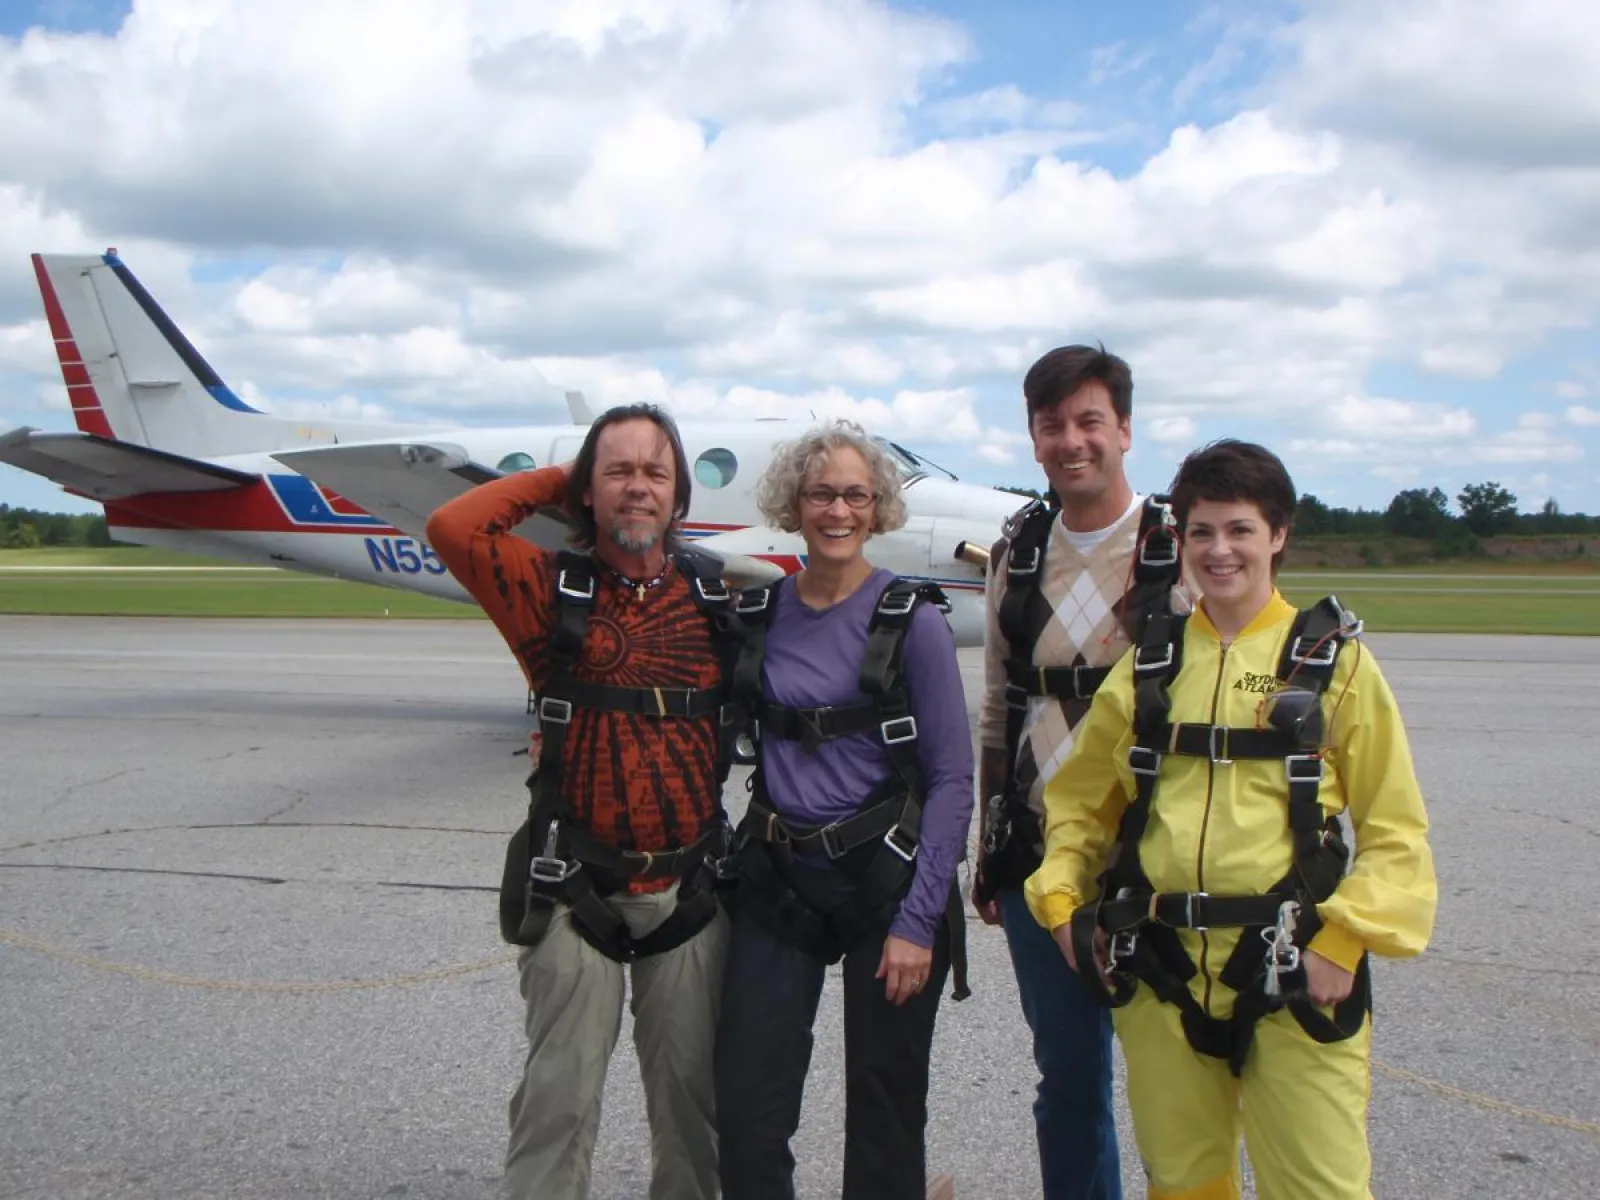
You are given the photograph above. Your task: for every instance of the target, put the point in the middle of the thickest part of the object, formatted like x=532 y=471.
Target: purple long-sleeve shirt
x=814 y=658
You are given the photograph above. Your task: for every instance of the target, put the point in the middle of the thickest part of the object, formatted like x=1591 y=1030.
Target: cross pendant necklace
x=640 y=587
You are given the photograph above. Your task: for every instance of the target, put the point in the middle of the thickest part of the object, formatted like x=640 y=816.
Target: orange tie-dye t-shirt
x=636 y=782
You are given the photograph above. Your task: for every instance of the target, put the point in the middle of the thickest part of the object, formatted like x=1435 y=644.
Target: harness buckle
x=1016 y=697
x=713 y=594
x=1304 y=768
x=1121 y=946
x=897 y=604
x=1141 y=663
x=1217 y=746
x=1282 y=953
x=828 y=835
x=1189 y=906
x=1318 y=656
x=904 y=730
x=904 y=845
x=567 y=589
x=1142 y=760
x=555 y=710
x=752 y=602
x=1169 y=555
x=550 y=867
x=1015 y=567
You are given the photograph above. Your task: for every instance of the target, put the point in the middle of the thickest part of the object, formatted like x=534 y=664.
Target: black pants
x=764 y=1040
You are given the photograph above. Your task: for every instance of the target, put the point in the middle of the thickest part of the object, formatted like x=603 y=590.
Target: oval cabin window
x=716 y=468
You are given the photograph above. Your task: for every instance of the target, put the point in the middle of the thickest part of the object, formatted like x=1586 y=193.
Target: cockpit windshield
x=911 y=466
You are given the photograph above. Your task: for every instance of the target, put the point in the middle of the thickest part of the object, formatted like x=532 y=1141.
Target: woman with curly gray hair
x=858 y=816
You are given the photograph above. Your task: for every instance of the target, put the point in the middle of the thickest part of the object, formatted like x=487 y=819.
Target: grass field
x=80 y=582
x=1456 y=598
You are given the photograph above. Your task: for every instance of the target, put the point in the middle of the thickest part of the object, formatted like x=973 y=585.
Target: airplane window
x=911 y=466
x=716 y=468
x=512 y=463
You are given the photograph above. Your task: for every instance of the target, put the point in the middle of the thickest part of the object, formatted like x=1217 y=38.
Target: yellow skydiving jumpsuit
x=1222 y=828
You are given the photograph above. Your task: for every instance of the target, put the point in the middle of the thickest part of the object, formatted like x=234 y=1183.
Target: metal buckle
x=1121 y=946
x=550 y=870
x=1324 y=657
x=752 y=601
x=1166 y=560
x=1142 y=760
x=1350 y=625
x=1077 y=682
x=1013 y=565
x=1282 y=957
x=577 y=594
x=828 y=835
x=550 y=867
x=894 y=739
x=1016 y=697
x=1139 y=663
x=897 y=604
x=1291 y=761
x=1217 y=747
x=717 y=595
x=551 y=706
x=1188 y=911
x=903 y=852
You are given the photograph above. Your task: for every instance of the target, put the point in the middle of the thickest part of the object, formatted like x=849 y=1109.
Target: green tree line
x=27 y=529
x=1482 y=510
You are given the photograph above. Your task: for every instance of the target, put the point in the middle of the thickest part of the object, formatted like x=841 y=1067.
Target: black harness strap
x=1265 y=968
x=879 y=843
x=1023 y=615
x=553 y=860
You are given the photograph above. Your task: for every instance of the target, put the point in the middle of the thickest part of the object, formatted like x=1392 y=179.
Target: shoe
x=942 y=1186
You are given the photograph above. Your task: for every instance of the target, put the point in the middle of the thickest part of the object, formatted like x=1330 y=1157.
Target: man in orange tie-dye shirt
x=635 y=785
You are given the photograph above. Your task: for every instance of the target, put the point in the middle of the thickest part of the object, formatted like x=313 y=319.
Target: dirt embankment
x=1579 y=551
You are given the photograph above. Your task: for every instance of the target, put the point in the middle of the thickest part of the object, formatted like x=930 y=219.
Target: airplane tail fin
x=132 y=376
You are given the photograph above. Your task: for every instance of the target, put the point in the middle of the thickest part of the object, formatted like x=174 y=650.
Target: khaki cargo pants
x=574 y=1017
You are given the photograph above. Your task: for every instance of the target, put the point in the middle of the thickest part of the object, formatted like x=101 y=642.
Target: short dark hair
x=1065 y=369
x=1240 y=472
x=584 y=530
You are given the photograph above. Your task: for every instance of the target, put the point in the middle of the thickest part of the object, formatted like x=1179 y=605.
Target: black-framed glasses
x=823 y=497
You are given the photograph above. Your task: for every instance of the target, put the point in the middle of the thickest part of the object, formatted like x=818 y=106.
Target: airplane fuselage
x=288 y=520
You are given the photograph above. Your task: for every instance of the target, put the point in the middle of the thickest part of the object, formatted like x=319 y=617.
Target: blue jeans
x=1077 y=1129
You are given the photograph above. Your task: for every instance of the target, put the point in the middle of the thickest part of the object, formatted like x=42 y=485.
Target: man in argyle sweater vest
x=1079 y=404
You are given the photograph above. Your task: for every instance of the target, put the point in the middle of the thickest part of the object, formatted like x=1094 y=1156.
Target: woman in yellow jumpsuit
x=1231 y=934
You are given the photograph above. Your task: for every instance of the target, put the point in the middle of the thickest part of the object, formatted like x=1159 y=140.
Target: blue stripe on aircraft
x=307 y=506
x=192 y=358
x=223 y=395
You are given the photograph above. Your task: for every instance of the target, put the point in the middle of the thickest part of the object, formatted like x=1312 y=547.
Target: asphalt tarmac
x=248 y=942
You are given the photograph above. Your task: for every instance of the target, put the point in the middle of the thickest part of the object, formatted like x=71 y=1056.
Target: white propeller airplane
x=179 y=461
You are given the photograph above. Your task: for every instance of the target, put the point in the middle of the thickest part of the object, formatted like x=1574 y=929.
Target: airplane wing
x=403 y=482
x=103 y=469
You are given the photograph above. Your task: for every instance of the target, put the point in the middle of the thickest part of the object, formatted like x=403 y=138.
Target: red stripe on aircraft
x=249 y=509
x=86 y=407
x=338 y=504
x=52 y=307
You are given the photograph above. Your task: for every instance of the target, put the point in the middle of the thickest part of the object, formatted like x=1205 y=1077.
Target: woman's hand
x=905 y=965
x=1326 y=981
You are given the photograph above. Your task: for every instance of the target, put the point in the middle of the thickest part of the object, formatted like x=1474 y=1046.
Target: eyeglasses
x=823 y=497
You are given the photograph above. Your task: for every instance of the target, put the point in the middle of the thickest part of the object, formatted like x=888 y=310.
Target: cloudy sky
x=1366 y=233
